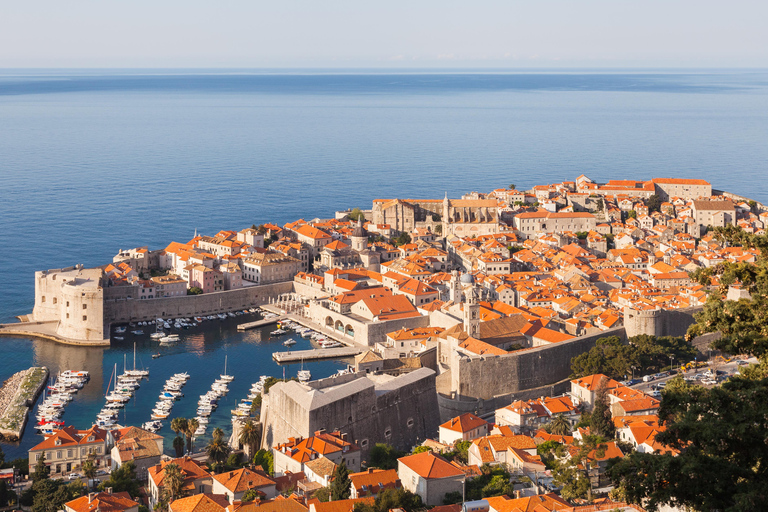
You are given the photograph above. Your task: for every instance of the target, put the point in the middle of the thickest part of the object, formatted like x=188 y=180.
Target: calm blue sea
x=92 y=162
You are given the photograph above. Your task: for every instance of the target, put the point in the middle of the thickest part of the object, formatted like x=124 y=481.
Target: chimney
x=109 y=490
x=91 y=495
x=370 y=470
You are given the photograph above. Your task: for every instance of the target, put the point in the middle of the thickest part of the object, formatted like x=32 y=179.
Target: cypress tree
x=340 y=487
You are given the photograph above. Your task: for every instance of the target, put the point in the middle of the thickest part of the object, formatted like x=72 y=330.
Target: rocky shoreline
x=17 y=395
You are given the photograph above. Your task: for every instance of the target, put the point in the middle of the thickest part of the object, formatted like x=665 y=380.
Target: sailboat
x=135 y=372
x=224 y=377
x=304 y=375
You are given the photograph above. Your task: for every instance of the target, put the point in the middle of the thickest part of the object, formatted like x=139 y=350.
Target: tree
x=421 y=449
x=573 y=473
x=460 y=452
x=173 y=481
x=632 y=214
x=264 y=459
x=722 y=462
x=600 y=204
x=179 y=425
x=356 y=214
x=256 y=405
x=250 y=495
x=89 y=469
x=512 y=186
x=41 y=470
x=217 y=448
x=192 y=425
x=439 y=229
x=6 y=495
x=384 y=456
x=601 y=422
x=402 y=239
x=249 y=437
x=50 y=496
x=340 y=486
x=178 y=445
x=560 y=426
x=195 y=291
x=323 y=494
x=653 y=203
x=122 y=479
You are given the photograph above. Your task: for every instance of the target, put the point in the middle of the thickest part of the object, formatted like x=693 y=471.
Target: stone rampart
x=127 y=310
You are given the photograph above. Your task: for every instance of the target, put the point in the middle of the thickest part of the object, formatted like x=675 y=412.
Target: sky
x=514 y=34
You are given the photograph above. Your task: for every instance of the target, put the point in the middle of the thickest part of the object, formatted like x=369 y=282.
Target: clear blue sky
x=392 y=33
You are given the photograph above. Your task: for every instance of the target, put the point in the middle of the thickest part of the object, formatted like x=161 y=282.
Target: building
x=369 y=409
x=103 y=502
x=270 y=267
x=169 y=285
x=234 y=484
x=203 y=502
x=583 y=390
x=493 y=449
x=667 y=188
x=207 y=279
x=373 y=481
x=465 y=427
x=292 y=455
x=430 y=476
x=531 y=224
x=137 y=445
x=532 y=414
x=66 y=449
x=714 y=213
x=197 y=479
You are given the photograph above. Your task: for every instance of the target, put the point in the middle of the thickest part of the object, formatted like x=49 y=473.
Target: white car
x=73 y=476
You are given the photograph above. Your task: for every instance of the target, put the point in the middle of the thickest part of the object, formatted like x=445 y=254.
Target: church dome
x=359 y=230
x=467 y=279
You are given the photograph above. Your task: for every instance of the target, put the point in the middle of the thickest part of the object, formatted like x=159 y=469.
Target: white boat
x=278 y=332
x=304 y=375
x=289 y=342
x=121 y=329
x=224 y=377
x=137 y=332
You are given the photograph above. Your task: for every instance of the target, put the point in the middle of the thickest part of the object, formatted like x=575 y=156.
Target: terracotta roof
x=340 y=505
x=539 y=503
x=429 y=465
x=191 y=469
x=321 y=466
x=464 y=423
x=242 y=480
x=279 y=504
x=374 y=480
x=200 y=503
x=103 y=502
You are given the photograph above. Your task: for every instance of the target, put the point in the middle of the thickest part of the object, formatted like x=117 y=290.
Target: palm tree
x=179 y=425
x=89 y=470
x=218 y=433
x=249 y=438
x=178 y=445
x=173 y=480
x=560 y=426
x=192 y=425
x=217 y=449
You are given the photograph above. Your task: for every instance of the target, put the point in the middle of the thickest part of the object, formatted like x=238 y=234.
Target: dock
x=17 y=396
x=315 y=354
x=261 y=323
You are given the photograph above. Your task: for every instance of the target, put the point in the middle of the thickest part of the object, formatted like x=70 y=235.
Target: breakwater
x=17 y=396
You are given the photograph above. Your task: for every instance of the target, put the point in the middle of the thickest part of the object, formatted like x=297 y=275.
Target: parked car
x=73 y=476
x=655 y=394
x=742 y=363
x=648 y=378
x=632 y=382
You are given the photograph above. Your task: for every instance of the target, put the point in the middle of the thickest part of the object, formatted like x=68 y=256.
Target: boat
x=118 y=338
x=224 y=377
x=137 y=332
x=289 y=342
x=155 y=356
x=304 y=375
x=121 y=329
x=329 y=343
x=278 y=332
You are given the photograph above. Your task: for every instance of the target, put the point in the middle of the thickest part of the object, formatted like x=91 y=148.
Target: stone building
x=367 y=409
x=714 y=213
x=270 y=267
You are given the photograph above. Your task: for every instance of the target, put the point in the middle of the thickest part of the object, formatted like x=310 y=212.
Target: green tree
x=173 y=482
x=560 y=426
x=653 y=203
x=340 y=486
x=195 y=291
x=601 y=422
x=249 y=437
x=572 y=472
x=600 y=204
x=50 y=496
x=402 y=239
x=722 y=459
x=178 y=445
x=89 y=470
x=191 y=427
x=323 y=494
x=256 y=405
x=512 y=186
x=250 y=495
x=217 y=448
x=356 y=214
x=265 y=459
x=6 y=495
x=41 y=470
x=179 y=425
x=632 y=214
x=451 y=498
x=384 y=456
x=122 y=479
x=421 y=449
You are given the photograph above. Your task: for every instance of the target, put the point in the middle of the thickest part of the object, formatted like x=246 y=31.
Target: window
x=410 y=422
x=85 y=317
x=388 y=433
x=69 y=454
x=363 y=444
x=67 y=303
x=42 y=299
x=55 y=300
x=59 y=454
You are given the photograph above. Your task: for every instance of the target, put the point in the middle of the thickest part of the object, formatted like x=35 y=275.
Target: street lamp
x=671 y=358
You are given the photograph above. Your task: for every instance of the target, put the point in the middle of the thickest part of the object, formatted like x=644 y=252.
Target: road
x=730 y=367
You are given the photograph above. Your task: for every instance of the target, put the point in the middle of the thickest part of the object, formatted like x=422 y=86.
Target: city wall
x=481 y=383
x=128 y=310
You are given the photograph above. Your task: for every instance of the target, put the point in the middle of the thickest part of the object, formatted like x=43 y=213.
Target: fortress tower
x=643 y=321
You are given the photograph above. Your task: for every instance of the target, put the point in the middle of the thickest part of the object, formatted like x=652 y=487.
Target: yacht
x=224 y=377
x=289 y=342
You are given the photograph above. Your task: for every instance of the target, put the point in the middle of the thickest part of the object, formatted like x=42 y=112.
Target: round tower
x=643 y=321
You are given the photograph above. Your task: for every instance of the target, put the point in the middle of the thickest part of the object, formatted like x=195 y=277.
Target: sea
x=94 y=161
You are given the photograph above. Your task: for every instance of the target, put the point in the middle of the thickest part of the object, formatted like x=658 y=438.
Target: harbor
x=261 y=323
